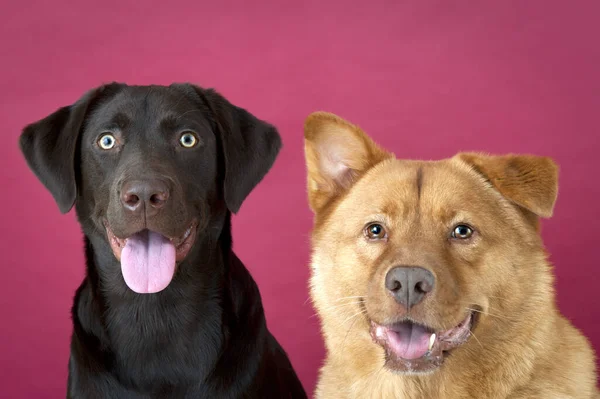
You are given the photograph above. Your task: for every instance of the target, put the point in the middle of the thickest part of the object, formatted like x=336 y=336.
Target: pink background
x=426 y=79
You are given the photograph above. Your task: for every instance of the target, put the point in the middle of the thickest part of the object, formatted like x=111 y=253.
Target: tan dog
x=431 y=279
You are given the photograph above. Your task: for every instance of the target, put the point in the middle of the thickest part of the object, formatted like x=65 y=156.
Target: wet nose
x=144 y=195
x=409 y=285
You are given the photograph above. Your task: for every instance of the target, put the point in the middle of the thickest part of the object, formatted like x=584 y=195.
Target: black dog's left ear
x=250 y=147
x=49 y=147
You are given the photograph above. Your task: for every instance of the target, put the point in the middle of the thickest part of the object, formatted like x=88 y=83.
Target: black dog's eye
x=188 y=140
x=462 y=232
x=375 y=231
x=107 y=141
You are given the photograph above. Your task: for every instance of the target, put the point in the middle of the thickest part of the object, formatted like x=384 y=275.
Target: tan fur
x=521 y=346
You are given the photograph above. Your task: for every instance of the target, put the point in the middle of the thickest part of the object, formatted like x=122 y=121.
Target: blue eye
x=107 y=141
x=188 y=140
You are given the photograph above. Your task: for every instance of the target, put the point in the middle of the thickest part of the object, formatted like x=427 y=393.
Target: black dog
x=166 y=309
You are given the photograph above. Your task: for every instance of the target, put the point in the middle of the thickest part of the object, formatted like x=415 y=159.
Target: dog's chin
x=182 y=243
x=412 y=348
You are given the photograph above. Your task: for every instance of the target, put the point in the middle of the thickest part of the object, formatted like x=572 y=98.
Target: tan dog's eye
x=462 y=232
x=375 y=231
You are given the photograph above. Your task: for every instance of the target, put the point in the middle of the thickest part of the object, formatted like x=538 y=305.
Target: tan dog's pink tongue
x=408 y=341
x=148 y=262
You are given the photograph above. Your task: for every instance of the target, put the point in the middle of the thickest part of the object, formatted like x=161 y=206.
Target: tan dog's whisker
x=491 y=314
x=350 y=297
x=341 y=305
x=476 y=339
x=348 y=332
x=361 y=312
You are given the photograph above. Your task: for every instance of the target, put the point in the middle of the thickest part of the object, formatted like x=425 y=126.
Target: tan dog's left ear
x=337 y=153
x=527 y=180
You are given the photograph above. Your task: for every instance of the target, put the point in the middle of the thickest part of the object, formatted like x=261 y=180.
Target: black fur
x=205 y=335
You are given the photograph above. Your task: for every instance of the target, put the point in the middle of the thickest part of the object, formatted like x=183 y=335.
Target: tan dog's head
x=415 y=256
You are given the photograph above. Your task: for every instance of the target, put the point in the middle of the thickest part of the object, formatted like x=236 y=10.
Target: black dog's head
x=147 y=167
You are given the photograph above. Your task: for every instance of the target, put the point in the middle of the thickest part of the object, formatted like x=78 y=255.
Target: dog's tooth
x=431 y=341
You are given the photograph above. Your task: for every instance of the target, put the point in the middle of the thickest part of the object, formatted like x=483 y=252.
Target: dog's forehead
x=397 y=187
x=148 y=103
x=413 y=178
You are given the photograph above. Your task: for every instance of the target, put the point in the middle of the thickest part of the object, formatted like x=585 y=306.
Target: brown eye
x=188 y=140
x=462 y=232
x=375 y=231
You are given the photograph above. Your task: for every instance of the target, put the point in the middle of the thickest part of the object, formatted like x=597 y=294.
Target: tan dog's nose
x=409 y=285
x=144 y=195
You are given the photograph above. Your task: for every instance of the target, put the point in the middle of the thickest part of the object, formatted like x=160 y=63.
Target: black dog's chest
x=156 y=347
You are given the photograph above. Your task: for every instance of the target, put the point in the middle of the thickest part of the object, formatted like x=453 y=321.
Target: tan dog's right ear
x=337 y=153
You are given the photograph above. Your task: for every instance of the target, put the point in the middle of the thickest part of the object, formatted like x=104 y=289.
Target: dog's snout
x=409 y=285
x=144 y=195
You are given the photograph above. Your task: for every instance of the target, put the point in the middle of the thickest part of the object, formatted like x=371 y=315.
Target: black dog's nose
x=409 y=285
x=148 y=195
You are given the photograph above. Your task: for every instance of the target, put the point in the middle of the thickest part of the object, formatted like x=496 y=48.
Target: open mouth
x=414 y=348
x=182 y=244
x=148 y=258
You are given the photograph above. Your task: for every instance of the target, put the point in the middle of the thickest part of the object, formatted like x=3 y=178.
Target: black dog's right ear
x=49 y=147
x=250 y=146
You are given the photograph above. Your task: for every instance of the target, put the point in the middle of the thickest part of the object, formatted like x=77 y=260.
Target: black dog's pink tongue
x=148 y=262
